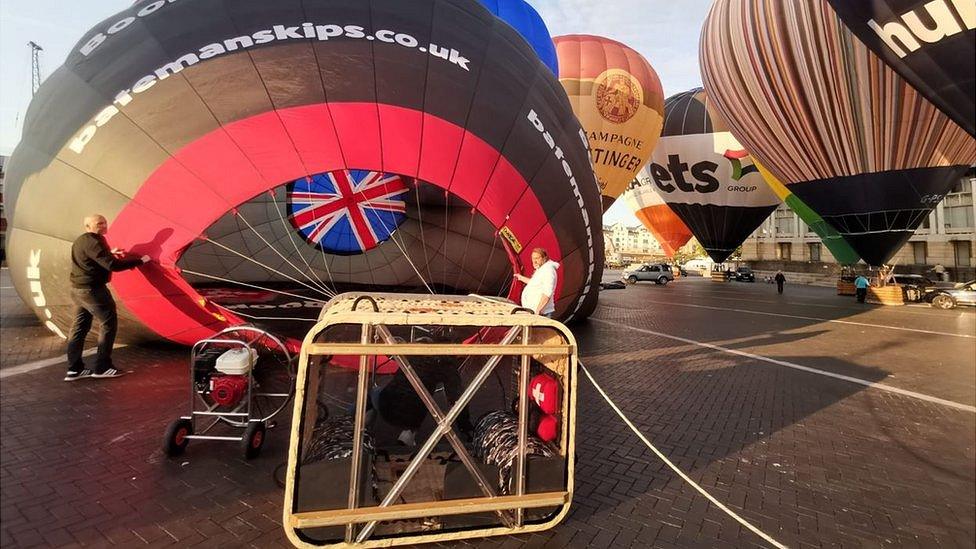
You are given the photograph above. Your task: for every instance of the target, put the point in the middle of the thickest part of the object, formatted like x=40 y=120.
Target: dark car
x=962 y=294
x=744 y=274
x=913 y=286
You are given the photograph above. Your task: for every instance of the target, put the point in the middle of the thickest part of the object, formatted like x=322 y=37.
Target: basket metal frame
x=376 y=340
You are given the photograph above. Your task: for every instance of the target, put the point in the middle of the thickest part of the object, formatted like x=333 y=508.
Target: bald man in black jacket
x=92 y=264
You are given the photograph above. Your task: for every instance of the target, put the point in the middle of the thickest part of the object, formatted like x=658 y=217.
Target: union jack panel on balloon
x=347 y=211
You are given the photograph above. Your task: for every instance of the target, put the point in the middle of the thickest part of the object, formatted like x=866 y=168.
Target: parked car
x=614 y=285
x=914 y=287
x=744 y=274
x=962 y=294
x=660 y=273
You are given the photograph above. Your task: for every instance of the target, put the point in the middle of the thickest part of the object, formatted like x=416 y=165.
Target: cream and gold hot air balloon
x=830 y=120
x=618 y=99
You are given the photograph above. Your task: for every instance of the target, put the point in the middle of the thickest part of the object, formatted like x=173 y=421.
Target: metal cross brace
x=444 y=427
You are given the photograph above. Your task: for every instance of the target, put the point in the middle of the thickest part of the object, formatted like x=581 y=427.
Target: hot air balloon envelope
x=930 y=44
x=301 y=148
x=523 y=18
x=844 y=133
x=705 y=176
x=648 y=206
x=618 y=98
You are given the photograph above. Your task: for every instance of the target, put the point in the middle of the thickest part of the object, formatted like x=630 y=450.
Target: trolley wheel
x=176 y=434
x=253 y=439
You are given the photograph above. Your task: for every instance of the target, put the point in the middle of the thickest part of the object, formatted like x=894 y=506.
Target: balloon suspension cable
x=491 y=254
x=420 y=224
x=289 y=232
x=464 y=256
x=249 y=285
x=256 y=262
x=401 y=248
x=321 y=288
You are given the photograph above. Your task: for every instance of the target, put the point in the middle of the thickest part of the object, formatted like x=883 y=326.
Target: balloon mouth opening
x=277 y=259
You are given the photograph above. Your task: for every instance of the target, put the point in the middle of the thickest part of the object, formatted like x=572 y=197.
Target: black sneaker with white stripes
x=73 y=375
x=111 y=372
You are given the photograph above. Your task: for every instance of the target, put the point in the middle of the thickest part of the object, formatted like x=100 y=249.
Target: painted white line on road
x=871 y=384
x=6 y=287
x=835 y=321
x=675 y=468
x=850 y=308
x=38 y=364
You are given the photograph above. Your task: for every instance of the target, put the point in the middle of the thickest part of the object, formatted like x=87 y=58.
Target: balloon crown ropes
x=439 y=93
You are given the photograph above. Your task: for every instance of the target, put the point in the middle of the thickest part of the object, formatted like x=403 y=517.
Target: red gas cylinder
x=544 y=392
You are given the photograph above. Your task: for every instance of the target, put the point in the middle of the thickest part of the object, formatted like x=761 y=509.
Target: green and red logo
x=738 y=170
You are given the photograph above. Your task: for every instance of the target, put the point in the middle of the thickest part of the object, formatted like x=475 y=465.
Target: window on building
x=783 y=222
x=964 y=252
x=926 y=224
x=920 y=253
x=784 y=251
x=958 y=207
x=814 y=251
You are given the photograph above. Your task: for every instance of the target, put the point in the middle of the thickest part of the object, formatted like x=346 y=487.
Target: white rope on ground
x=222 y=279
x=870 y=384
x=322 y=289
x=255 y=261
x=675 y=468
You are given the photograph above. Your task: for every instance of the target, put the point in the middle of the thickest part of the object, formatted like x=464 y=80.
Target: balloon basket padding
x=892 y=294
x=379 y=493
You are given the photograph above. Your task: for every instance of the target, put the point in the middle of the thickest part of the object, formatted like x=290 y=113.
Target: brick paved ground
x=24 y=339
x=813 y=461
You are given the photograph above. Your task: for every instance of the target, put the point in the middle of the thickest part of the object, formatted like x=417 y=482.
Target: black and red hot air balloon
x=300 y=148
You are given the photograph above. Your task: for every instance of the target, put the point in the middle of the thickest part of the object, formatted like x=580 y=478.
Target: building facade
x=625 y=244
x=946 y=237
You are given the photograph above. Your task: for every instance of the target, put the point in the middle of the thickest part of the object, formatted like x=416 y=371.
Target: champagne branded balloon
x=618 y=99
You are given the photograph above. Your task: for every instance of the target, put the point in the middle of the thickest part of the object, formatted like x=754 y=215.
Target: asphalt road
x=914 y=347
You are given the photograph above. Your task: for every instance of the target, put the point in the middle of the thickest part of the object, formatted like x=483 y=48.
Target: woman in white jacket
x=541 y=286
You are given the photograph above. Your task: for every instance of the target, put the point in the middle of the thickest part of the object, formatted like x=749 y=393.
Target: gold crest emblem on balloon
x=618 y=96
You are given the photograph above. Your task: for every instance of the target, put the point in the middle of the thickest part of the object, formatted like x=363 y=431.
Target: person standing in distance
x=780 y=280
x=861 y=284
x=541 y=286
x=92 y=264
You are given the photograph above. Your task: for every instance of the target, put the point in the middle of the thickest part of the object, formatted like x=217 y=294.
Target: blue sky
x=664 y=31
